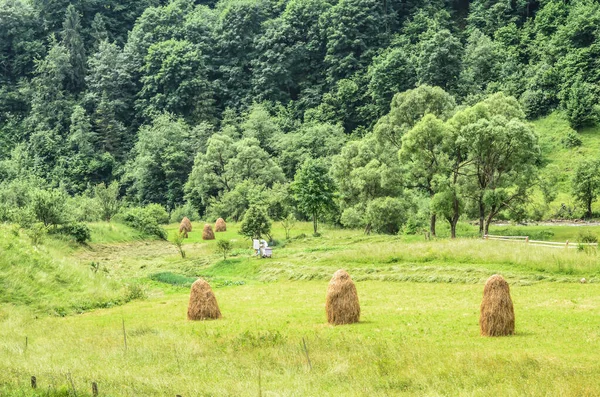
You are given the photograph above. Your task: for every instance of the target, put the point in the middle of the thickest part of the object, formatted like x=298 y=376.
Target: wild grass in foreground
x=415 y=339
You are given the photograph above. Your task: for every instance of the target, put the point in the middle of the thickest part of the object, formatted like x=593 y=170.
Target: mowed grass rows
x=418 y=333
x=418 y=339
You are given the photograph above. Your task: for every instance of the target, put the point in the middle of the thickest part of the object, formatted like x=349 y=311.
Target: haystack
x=220 y=225
x=207 y=233
x=203 y=304
x=497 y=313
x=185 y=227
x=342 y=305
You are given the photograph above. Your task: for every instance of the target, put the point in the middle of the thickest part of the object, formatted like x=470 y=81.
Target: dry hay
x=203 y=303
x=207 y=233
x=220 y=225
x=497 y=313
x=185 y=227
x=342 y=305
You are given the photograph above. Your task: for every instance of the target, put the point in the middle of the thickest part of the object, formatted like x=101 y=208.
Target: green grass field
x=418 y=333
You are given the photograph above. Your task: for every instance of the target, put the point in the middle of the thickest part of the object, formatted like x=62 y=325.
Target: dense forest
x=386 y=115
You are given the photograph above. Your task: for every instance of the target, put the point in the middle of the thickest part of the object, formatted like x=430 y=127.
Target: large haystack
x=207 y=233
x=185 y=227
x=203 y=304
x=497 y=313
x=342 y=305
x=220 y=225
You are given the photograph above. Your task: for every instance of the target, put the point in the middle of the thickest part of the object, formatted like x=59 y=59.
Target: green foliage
x=49 y=206
x=163 y=160
x=580 y=105
x=224 y=247
x=146 y=220
x=586 y=183
x=386 y=215
x=80 y=232
x=256 y=223
x=107 y=198
x=183 y=211
x=571 y=140
x=288 y=224
x=314 y=189
x=177 y=241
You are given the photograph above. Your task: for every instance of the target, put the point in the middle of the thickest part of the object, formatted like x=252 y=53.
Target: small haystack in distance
x=203 y=303
x=220 y=225
x=207 y=233
x=185 y=227
x=342 y=305
x=497 y=313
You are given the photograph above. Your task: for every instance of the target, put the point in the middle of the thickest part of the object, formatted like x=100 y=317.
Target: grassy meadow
x=418 y=333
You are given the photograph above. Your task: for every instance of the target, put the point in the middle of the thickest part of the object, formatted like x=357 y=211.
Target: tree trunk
x=315 y=222
x=453 y=228
x=488 y=221
x=481 y=216
x=432 y=225
x=589 y=209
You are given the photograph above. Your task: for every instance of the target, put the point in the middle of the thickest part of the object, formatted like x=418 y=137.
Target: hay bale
x=497 y=316
x=207 y=233
x=342 y=305
x=220 y=225
x=203 y=303
x=185 y=227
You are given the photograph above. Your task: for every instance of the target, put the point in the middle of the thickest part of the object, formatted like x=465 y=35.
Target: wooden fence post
x=526 y=239
x=567 y=244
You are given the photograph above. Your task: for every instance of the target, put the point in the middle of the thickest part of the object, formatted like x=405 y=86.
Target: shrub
x=107 y=198
x=353 y=218
x=144 y=220
x=288 y=223
x=178 y=243
x=223 y=247
x=256 y=223
x=85 y=209
x=79 y=231
x=571 y=140
x=386 y=215
x=159 y=213
x=184 y=211
x=49 y=206
x=586 y=236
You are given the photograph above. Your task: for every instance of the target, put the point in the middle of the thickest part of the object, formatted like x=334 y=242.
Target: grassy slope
x=562 y=161
x=41 y=278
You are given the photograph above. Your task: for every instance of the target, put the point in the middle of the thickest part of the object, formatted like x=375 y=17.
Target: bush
x=353 y=218
x=79 y=231
x=386 y=215
x=144 y=220
x=50 y=206
x=159 y=213
x=587 y=236
x=85 y=209
x=223 y=247
x=183 y=211
x=256 y=223
x=571 y=140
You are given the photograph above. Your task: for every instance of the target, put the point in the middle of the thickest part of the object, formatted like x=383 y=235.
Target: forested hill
x=216 y=105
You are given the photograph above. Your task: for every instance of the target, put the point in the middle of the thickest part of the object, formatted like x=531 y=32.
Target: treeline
x=218 y=106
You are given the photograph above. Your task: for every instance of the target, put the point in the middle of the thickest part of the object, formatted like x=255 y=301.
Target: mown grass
x=418 y=334
x=415 y=339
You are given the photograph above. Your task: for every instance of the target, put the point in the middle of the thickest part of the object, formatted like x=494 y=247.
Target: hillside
x=45 y=280
x=561 y=161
